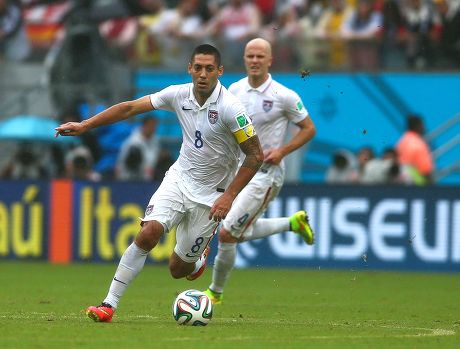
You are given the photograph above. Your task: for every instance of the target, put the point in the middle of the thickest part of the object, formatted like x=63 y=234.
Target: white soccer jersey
x=270 y=106
x=209 y=153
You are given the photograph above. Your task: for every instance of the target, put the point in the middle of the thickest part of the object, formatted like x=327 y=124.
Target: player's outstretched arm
x=253 y=160
x=117 y=112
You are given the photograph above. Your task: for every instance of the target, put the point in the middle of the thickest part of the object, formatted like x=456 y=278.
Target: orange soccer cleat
x=101 y=313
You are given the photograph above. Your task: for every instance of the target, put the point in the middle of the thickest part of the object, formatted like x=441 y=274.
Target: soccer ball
x=193 y=308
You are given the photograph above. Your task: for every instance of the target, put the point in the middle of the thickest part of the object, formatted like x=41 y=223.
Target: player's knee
x=226 y=237
x=149 y=235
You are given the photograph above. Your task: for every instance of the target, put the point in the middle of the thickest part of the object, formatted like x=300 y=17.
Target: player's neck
x=201 y=98
x=256 y=81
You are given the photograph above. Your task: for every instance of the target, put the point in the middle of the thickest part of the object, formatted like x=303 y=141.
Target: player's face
x=257 y=59
x=205 y=72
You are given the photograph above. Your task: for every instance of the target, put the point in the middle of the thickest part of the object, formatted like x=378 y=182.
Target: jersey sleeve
x=240 y=123
x=164 y=99
x=294 y=109
x=233 y=88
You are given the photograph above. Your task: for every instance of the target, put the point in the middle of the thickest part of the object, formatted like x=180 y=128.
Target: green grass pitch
x=42 y=306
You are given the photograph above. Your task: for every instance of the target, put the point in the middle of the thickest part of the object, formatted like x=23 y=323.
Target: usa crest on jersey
x=267 y=105
x=149 y=210
x=213 y=115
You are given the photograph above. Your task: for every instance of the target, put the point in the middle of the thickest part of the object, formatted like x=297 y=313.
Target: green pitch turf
x=42 y=306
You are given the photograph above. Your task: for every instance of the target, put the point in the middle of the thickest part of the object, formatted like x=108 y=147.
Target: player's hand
x=70 y=129
x=220 y=208
x=273 y=156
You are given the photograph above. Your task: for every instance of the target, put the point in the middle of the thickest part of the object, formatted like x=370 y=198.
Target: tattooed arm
x=254 y=158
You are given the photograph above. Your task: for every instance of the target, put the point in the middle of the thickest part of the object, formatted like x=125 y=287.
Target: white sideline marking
x=432 y=332
x=420 y=331
x=38 y=315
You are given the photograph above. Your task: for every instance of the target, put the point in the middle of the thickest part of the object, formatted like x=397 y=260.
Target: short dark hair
x=390 y=151
x=414 y=122
x=340 y=160
x=145 y=120
x=206 y=49
x=134 y=158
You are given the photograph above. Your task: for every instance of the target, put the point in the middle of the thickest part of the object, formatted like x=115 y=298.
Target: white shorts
x=250 y=204
x=171 y=207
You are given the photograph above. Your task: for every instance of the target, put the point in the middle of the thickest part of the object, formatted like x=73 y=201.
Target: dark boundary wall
x=391 y=228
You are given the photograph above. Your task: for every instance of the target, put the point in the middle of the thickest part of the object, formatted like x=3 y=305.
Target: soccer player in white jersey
x=199 y=188
x=271 y=106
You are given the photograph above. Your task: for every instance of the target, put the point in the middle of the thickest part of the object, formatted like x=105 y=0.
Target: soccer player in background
x=199 y=188
x=271 y=106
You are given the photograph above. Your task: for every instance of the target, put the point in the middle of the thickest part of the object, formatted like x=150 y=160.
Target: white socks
x=198 y=264
x=223 y=265
x=130 y=265
x=268 y=226
x=226 y=254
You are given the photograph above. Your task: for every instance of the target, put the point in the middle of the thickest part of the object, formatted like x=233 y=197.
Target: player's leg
x=193 y=235
x=131 y=263
x=297 y=223
x=223 y=265
x=159 y=218
x=243 y=224
x=192 y=270
x=133 y=260
x=246 y=209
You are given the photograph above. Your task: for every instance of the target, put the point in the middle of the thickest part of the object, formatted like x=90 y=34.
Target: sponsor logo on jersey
x=267 y=105
x=299 y=105
x=213 y=115
x=242 y=120
x=148 y=210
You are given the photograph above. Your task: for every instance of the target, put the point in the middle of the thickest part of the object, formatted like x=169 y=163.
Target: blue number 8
x=195 y=248
x=198 y=139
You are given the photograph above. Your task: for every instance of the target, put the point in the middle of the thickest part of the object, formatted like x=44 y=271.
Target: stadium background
x=383 y=272
x=372 y=227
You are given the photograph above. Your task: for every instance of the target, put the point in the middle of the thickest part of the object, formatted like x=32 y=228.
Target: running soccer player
x=199 y=188
x=271 y=106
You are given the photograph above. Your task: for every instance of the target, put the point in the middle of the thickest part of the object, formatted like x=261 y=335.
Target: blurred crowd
x=313 y=34
x=408 y=163
x=306 y=34
x=135 y=153
x=132 y=152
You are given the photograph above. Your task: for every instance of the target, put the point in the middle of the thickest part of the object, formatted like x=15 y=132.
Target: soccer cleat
x=299 y=225
x=215 y=297
x=199 y=272
x=101 y=313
